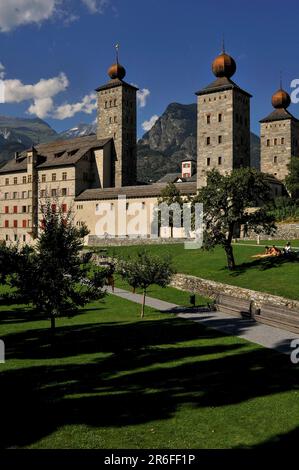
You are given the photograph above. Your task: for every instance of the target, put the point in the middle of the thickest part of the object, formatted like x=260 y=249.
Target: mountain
x=79 y=131
x=159 y=151
x=17 y=134
x=171 y=139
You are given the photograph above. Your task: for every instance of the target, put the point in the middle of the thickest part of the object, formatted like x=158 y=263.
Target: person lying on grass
x=273 y=251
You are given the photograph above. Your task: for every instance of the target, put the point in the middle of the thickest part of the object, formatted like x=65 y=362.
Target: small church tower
x=223 y=122
x=279 y=137
x=117 y=119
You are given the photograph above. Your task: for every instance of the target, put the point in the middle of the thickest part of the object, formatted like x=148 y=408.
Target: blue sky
x=54 y=53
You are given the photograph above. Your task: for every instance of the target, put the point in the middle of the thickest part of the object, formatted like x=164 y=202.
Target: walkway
x=264 y=335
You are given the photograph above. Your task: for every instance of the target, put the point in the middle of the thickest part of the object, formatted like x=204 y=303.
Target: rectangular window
x=15 y=224
x=219 y=139
x=208 y=140
x=6 y=238
x=282 y=141
x=53 y=192
x=53 y=176
x=268 y=142
x=29 y=193
x=208 y=161
x=275 y=141
x=6 y=223
x=219 y=160
x=43 y=178
x=14 y=195
x=24 y=179
x=208 y=119
x=64 y=176
x=24 y=209
x=7 y=181
x=29 y=178
x=15 y=209
x=6 y=195
x=64 y=208
x=15 y=237
x=43 y=193
x=275 y=160
x=53 y=208
x=6 y=210
x=24 y=238
x=64 y=192
x=24 y=194
x=219 y=117
x=24 y=223
x=15 y=181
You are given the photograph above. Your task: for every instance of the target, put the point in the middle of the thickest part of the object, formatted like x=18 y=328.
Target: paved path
x=267 y=336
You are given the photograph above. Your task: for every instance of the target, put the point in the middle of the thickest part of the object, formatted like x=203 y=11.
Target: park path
x=264 y=335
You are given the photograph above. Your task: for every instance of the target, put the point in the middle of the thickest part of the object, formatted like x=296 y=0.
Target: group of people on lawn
x=274 y=251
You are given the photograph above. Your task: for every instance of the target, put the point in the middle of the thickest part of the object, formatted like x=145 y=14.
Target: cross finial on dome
x=223 y=45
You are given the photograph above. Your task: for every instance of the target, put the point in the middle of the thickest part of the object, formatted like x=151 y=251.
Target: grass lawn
x=114 y=381
x=277 y=276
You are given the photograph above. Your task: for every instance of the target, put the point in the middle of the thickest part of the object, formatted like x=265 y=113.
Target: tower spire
x=223 y=45
x=280 y=79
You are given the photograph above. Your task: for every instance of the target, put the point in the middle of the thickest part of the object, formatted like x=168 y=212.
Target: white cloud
x=87 y=105
x=15 y=13
x=41 y=107
x=96 y=6
x=142 y=95
x=147 y=125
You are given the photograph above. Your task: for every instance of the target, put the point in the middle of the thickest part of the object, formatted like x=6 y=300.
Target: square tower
x=117 y=119
x=279 y=137
x=223 y=123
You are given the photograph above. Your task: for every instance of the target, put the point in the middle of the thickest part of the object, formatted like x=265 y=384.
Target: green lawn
x=277 y=276
x=114 y=381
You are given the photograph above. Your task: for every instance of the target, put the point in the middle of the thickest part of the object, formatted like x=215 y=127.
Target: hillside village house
x=91 y=175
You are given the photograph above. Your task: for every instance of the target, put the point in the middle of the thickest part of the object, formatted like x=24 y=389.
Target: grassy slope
x=113 y=381
x=276 y=276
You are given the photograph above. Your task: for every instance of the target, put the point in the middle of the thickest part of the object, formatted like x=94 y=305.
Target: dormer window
x=58 y=154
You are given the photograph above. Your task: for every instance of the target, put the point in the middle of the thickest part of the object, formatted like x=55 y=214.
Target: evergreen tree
x=292 y=180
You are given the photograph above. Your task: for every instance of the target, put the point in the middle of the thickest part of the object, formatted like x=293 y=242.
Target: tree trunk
x=52 y=324
x=230 y=257
x=143 y=303
x=134 y=290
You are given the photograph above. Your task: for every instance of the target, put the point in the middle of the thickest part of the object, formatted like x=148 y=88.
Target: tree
x=55 y=278
x=145 y=270
x=292 y=180
x=170 y=195
x=227 y=200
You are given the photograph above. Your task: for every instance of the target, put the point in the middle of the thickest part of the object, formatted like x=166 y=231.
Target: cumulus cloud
x=147 y=125
x=142 y=96
x=96 y=6
x=87 y=105
x=15 y=13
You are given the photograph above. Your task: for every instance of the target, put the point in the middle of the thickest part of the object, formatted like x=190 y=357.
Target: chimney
x=16 y=156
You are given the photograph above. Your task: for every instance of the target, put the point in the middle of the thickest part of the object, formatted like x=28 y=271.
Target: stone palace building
x=95 y=176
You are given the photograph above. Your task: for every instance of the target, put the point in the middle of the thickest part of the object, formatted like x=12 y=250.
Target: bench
x=233 y=305
x=280 y=317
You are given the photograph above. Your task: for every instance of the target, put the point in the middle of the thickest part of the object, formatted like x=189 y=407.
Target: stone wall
x=94 y=240
x=284 y=232
x=211 y=289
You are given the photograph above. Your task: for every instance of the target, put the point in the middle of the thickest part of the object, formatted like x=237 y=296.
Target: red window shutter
x=6 y=209
x=24 y=223
x=15 y=209
x=43 y=224
x=6 y=224
x=15 y=224
x=64 y=208
x=53 y=208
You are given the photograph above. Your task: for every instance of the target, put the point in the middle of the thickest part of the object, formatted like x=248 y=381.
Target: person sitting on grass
x=287 y=251
x=274 y=251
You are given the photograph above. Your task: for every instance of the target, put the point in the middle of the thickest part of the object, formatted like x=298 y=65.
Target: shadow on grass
x=139 y=373
x=262 y=264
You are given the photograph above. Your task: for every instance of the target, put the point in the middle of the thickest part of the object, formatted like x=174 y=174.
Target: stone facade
x=279 y=142
x=117 y=119
x=223 y=131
